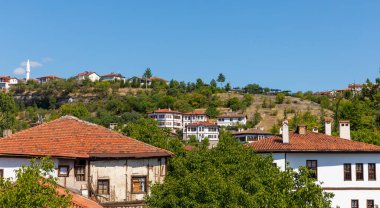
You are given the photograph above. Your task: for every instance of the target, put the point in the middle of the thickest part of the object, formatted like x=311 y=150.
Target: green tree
x=228 y=87
x=221 y=79
x=147 y=75
x=8 y=111
x=75 y=109
x=280 y=97
x=212 y=111
x=33 y=187
x=232 y=175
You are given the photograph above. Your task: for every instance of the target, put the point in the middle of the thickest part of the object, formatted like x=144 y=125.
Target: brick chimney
x=301 y=129
x=285 y=132
x=344 y=130
x=7 y=132
x=328 y=122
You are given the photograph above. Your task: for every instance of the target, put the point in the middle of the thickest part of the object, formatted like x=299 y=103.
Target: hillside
x=270 y=116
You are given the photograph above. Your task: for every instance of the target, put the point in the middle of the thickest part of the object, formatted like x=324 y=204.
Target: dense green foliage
x=33 y=187
x=232 y=175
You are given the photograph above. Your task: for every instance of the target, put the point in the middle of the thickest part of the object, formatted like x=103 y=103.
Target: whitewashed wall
x=330 y=173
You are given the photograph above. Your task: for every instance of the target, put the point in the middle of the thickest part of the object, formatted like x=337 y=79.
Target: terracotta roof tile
x=251 y=131
x=71 y=137
x=166 y=111
x=202 y=123
x=78 y=200
x=86 y=73
x=195 y=112
x=312 y=142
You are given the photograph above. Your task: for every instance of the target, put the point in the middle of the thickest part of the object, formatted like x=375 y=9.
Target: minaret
x=27 y=70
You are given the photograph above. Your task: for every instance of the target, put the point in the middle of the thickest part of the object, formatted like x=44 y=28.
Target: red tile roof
x=166 y=111
x=251 y=131
x=78 y=200
x=232 y=115
x=195 y=112
x=86 y=73
x=71 y=137
x=312 y=142
x=203 y=123
x=49 y=77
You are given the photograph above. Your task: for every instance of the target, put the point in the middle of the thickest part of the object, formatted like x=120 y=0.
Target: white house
x=112 y=77
x=344 y=167
x=89 y=159
x=202 y=130
x=194 y=117
x=47 y=78
x=7 y=81
x=92 y=76
x=167 y=118
x=232 y=119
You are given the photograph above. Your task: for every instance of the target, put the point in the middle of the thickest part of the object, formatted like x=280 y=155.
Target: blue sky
x=295 y=45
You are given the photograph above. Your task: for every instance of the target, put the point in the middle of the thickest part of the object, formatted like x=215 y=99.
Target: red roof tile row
x=312 y=142
x=71 y=137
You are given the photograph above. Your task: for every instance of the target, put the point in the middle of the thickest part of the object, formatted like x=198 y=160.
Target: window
x=371 y=171
x=347 y=172
x=63 y=171
x=104 y=186
x=1 y=173
x=139 y=184
x=359 y=171
x=370 y=203
x=312 y=165
x=80 y=170
x=274 y=164
x=354 y=203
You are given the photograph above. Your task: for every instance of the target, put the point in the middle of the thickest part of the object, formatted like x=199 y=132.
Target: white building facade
x=92 y=76
x=167 y=118
x=194 y=117
x=232 y=120
x=202 y=130
x=346 y=168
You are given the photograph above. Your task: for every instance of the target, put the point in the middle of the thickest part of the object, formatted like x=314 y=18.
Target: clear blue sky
x=295 y=45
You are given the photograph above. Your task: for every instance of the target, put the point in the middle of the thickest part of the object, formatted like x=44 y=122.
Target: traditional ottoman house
x=347 y=168
x=202 y=130
x=194 y=117
x=89 y=159
x=167 y=118
x=232 y=119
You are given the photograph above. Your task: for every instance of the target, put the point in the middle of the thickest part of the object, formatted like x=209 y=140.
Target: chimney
x=301 y=129
x=315 y=129
x=328 y=122
x=344 y=130
x=285 y=132
x=7 y=132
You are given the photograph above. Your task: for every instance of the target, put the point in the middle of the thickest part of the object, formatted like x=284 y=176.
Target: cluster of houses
x=196 y=123
x=6 y=82
x=354 y=88
x=112 y=170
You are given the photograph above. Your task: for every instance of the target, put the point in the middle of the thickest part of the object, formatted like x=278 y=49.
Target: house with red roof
x=112 y=77
x=167 y=118
x=232 y=119
x=202 y=130
x=347 y=168
x=47 y=78
x=7 y=81
x=92 y=76
x=194 y=117
x=251 y=135
x=90 y=160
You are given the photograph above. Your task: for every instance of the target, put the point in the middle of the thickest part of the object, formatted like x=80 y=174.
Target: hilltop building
x=47 y=78
x=92 y=76
x=112 y=77
x=344 y=167
x=90 y=160
x=7 y=81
